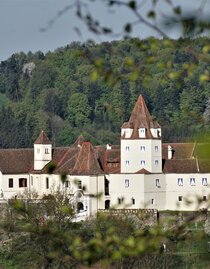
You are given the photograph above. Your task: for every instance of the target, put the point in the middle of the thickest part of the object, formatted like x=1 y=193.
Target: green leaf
x=177 y=10
x=106 y=30
x=63 y=177
x=50 y=168
x=151 y=14
x=128 y=28
x=132 y=5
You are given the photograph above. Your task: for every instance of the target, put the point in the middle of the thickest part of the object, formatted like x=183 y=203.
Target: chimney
x=108 y=146
x=170 y=152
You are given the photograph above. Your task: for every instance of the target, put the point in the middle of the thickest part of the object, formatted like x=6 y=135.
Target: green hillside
x=90 y=89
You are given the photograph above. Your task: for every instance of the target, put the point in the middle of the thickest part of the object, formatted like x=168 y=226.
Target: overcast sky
x=21 y=21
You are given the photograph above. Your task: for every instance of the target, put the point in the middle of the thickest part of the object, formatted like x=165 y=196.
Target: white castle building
x=141 y=173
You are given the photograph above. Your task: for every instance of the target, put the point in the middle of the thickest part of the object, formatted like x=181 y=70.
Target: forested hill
x=90 y=89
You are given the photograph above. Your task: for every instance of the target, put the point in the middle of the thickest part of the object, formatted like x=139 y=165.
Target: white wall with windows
x=184 y=190
x=155 y=191
x=42 y=155
x=142 y=153
x=126 y=190
x=14 y=184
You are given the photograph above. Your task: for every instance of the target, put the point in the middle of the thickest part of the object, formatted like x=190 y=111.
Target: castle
x=141 y=173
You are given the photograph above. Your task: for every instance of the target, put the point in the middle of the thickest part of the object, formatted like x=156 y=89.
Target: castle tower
x=141 y=145
x=42 y=151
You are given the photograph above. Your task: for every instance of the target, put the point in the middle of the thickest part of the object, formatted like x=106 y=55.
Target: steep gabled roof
x=86 y=162
x=43 y=139
x=141 y=118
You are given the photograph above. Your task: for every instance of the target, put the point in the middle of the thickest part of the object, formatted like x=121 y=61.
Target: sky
x=21 y=21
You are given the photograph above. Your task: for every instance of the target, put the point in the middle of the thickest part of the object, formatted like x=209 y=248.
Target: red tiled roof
x=140 y=117
x=80 y=140
x=180 y=150
x=143 y=171
x=180 y=166
x=16 y=161
x=204 y=165
x=86 y=162
x=42 y=139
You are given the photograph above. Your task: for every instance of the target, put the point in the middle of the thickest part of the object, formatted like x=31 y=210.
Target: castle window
x=120 y=200
x=143 y=162
x=204 y=181
x=156 y=162
x=47 y=182
x=156 y=148
x=106 y=186
x=133 y=201
x=32 y=182
x=107 y=204
x=142 y=148
x=66 y=184
x=46 y=150
x=204 y=198
x=10 y=182
x=79 y=184
x=180 y=198
x=192 y=181
x=126 y=183
x=153 y=201
x=38 y=150
x=180 y=181
x=127 y=148
x=127 y=162
x=157 y=182
x=22 y=182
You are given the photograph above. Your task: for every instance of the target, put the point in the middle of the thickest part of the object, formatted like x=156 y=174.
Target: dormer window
x=142 y=132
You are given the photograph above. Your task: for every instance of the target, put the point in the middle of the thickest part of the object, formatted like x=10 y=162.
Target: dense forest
x=90 y=89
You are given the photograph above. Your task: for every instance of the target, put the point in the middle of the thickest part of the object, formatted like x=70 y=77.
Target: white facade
x=137 y=154
x=144 y=179
x=42 y=155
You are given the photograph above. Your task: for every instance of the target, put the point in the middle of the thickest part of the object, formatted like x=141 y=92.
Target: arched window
x=107 y=204
x=80 y=207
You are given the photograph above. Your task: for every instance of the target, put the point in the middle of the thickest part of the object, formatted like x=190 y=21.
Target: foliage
x=92 y=88
x=43 y=234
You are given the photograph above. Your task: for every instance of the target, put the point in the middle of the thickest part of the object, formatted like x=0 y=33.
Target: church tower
x=42 y=151
x=141 y=145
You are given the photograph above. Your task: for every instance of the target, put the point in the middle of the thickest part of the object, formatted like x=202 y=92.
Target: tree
x=78 y=110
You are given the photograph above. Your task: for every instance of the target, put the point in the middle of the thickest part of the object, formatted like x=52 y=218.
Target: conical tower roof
x=141 y=118
x=43 y=139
